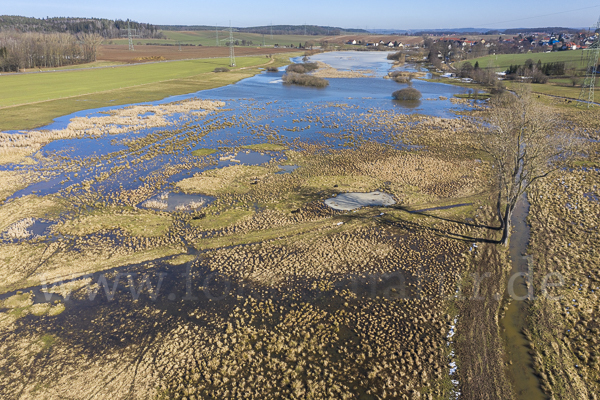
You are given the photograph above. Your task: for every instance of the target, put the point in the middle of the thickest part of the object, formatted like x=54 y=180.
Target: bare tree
x=91 y=41
x=527 y=142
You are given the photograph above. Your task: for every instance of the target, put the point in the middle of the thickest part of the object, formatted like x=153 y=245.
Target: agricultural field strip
x=28 y=89
x=80 y=67
x=576 y=58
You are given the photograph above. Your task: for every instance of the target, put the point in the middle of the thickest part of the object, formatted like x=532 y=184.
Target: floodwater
x=521 y=372
x=177 y=202
x=255 y=108
x=356 y=61
x=270 y=109
x=352 y=201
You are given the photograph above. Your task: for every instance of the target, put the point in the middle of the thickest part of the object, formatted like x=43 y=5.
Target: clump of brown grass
x=304 y=80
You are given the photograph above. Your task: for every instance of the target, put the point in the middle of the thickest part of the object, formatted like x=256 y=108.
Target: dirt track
x=148 y=53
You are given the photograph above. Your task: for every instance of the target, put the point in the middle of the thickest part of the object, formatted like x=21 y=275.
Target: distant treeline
x=445 y=33
x=313 y=30
x=104 y=27
x=516 y=31
x=42 y=50
x=551 y=68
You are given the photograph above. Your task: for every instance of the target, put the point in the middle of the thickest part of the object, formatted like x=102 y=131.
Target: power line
x=231 y=55
x=589 y=83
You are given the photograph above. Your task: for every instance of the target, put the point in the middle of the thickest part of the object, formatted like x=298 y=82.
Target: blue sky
x=398 y=14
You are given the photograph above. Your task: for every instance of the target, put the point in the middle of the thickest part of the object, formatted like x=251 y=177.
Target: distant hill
x=419 y=32
x=314 y=30
x=105 y=27
x=473 y=31
x=554 y=29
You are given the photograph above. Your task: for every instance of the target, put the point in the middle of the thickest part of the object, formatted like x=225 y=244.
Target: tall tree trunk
x=506 y=225
x=505 y=234
x=499 y=210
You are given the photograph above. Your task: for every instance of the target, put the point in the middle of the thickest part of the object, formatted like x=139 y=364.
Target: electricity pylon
x=231 y=55
x=231 y=52
x=589 y=83
x=130 y=37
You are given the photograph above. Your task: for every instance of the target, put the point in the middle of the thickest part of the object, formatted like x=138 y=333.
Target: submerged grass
x=136 y=223
x=221 y=220
x=30 y=206
x=266 y=147
x=203 y=152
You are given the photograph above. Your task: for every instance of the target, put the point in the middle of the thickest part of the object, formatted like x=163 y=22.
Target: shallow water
x=352 y=201
x=287 y=169
x=178 y=202
x=257 y=109
x=356 y=60
x=39 y=227
x=525 y=382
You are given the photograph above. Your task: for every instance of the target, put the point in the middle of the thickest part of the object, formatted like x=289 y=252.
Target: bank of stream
x=525 y=383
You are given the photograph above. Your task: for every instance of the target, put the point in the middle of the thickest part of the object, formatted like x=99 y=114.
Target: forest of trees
x=41 y=50
x=538 y=72
x=55 y=42
x=314 y=30
x=104 y=27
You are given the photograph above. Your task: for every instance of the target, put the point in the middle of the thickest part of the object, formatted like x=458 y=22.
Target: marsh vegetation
x=254 y=286
x=304 y=80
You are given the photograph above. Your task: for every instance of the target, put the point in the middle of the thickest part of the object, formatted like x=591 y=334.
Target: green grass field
x=27 y=88
x=94 y=64
x=34 y=100
x=554 y=90
x=208 y=38
x=572 y=59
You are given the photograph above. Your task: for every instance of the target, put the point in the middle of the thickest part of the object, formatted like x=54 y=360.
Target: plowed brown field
x=146 y=53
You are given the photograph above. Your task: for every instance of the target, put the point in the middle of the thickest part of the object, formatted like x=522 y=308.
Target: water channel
x=525 y=383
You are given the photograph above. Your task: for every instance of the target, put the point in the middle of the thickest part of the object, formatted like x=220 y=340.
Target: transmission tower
x=231 y=52
x=589 y=83
x=231 y=55
x=271 y=30
x=130 y=37
x=217 y=33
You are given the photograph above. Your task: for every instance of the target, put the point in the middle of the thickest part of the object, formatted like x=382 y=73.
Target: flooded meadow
x=258 y=240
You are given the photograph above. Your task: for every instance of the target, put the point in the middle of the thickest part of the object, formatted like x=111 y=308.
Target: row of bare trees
x=19 y=50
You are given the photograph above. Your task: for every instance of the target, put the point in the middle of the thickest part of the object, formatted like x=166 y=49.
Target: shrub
x=539 y=77
x=398 y=56
x=466 y=70
x=311 y=66
x=302 y=68
x=407 y=94
x=401 y=76
x=296 y=68
x=304 y=80
x=221 y=69
x=272 y=69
